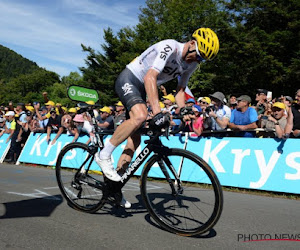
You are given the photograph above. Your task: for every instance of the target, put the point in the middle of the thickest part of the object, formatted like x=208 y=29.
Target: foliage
x=259 y=48
x=259 y=45
x=13 y=64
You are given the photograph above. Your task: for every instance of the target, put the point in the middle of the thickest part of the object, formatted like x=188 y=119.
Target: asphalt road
x=33 y=215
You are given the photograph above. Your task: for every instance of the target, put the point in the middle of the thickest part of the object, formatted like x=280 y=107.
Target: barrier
x=254 y=163
x=4 y=147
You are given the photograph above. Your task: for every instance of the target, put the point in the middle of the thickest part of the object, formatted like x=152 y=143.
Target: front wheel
x=79 y=181
x=190 y=205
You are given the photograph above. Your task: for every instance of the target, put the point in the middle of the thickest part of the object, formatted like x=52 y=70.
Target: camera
x=210 y=108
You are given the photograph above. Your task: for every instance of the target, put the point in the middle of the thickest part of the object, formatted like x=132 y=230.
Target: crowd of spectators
x=212 y=115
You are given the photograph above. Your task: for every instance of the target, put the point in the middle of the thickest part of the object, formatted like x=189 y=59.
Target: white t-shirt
x=166 y=58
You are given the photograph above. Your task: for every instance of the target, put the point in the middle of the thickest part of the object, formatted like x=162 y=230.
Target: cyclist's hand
x=160 y=120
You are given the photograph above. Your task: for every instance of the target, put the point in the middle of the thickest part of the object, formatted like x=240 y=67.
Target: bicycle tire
x=75 y=188
x=193 y=212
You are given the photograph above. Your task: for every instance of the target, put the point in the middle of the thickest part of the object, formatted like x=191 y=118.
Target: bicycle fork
x=177 y=181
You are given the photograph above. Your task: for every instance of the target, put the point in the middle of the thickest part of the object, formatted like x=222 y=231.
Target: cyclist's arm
x=180 y=97
x=150 y=80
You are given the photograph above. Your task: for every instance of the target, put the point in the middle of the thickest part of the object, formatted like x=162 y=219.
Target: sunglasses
x=198 y=56
x=203 y=102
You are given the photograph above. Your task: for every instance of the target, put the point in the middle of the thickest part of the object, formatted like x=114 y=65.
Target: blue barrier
x=255 y=163
x=4 y=147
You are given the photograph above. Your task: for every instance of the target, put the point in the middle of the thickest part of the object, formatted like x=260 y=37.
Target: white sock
x=106 y=152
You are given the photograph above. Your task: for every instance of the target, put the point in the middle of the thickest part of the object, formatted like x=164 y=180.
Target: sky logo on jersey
x=164 y=53
x=127 y=89
x=171 y=72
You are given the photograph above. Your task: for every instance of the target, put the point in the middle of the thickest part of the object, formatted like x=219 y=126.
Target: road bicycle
x=179 y=189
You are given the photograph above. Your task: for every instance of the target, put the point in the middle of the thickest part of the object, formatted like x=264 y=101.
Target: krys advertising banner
x=255 y=163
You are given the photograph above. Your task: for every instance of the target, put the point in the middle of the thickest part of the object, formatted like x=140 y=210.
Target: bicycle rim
x=78 y=184
x=194 y=211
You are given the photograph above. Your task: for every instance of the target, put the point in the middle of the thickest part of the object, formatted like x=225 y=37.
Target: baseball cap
x=169 y=97
x=119 y=103
x=90 y=102
x=290 y=99
x=50 y=103
x=30 y=108
x=205 y=98
x=244 y=98
x=218 y=95
x=72 y=110
x=10 y=113
x=262 y=91
x=278 y=105
x=106 y=109
x=191 y=100
x=197 y=108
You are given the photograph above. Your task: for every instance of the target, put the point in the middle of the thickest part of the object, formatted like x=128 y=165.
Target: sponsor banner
x=4 y=147
x=81 y=94
x=255 y=163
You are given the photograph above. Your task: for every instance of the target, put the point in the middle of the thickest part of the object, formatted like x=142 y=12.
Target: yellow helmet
x=207 y=43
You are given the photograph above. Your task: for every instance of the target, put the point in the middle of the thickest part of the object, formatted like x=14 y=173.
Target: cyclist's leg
x=133 y=142
x=138 y=115
x=132 y=94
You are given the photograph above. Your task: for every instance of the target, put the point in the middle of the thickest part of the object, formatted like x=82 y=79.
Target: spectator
x=194 y=123
x=120 y=115
x=50 y=105
x=59 y=109
x=190 y=102
x=232 y=102
x=219 y=112
x=3 y=128
x=243 y=117
x=30 y=108
x=169 y=101
x=261 y=98
x=41 y=117
x=204 y=102
x=72 y=112
x=26 y=127
x=15 y=136
x=68 y=123
x=54 y=125
x=21 y=112
x=276 y=121
x=96 y=114
x=293 y=120
x=10 y=124
x=105 y=120
x=288 y=101
x=84 y=127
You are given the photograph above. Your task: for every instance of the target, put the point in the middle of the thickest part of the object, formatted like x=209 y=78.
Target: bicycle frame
x=154 y=145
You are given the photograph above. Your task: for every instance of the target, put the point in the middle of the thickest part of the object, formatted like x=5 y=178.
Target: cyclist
x=161 y=62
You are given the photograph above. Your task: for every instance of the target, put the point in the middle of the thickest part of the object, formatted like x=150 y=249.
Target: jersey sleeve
x=184 y=78
x=164 y=50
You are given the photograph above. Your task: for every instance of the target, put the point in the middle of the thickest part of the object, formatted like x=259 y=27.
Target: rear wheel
x=79 y=181
x=196 y=205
